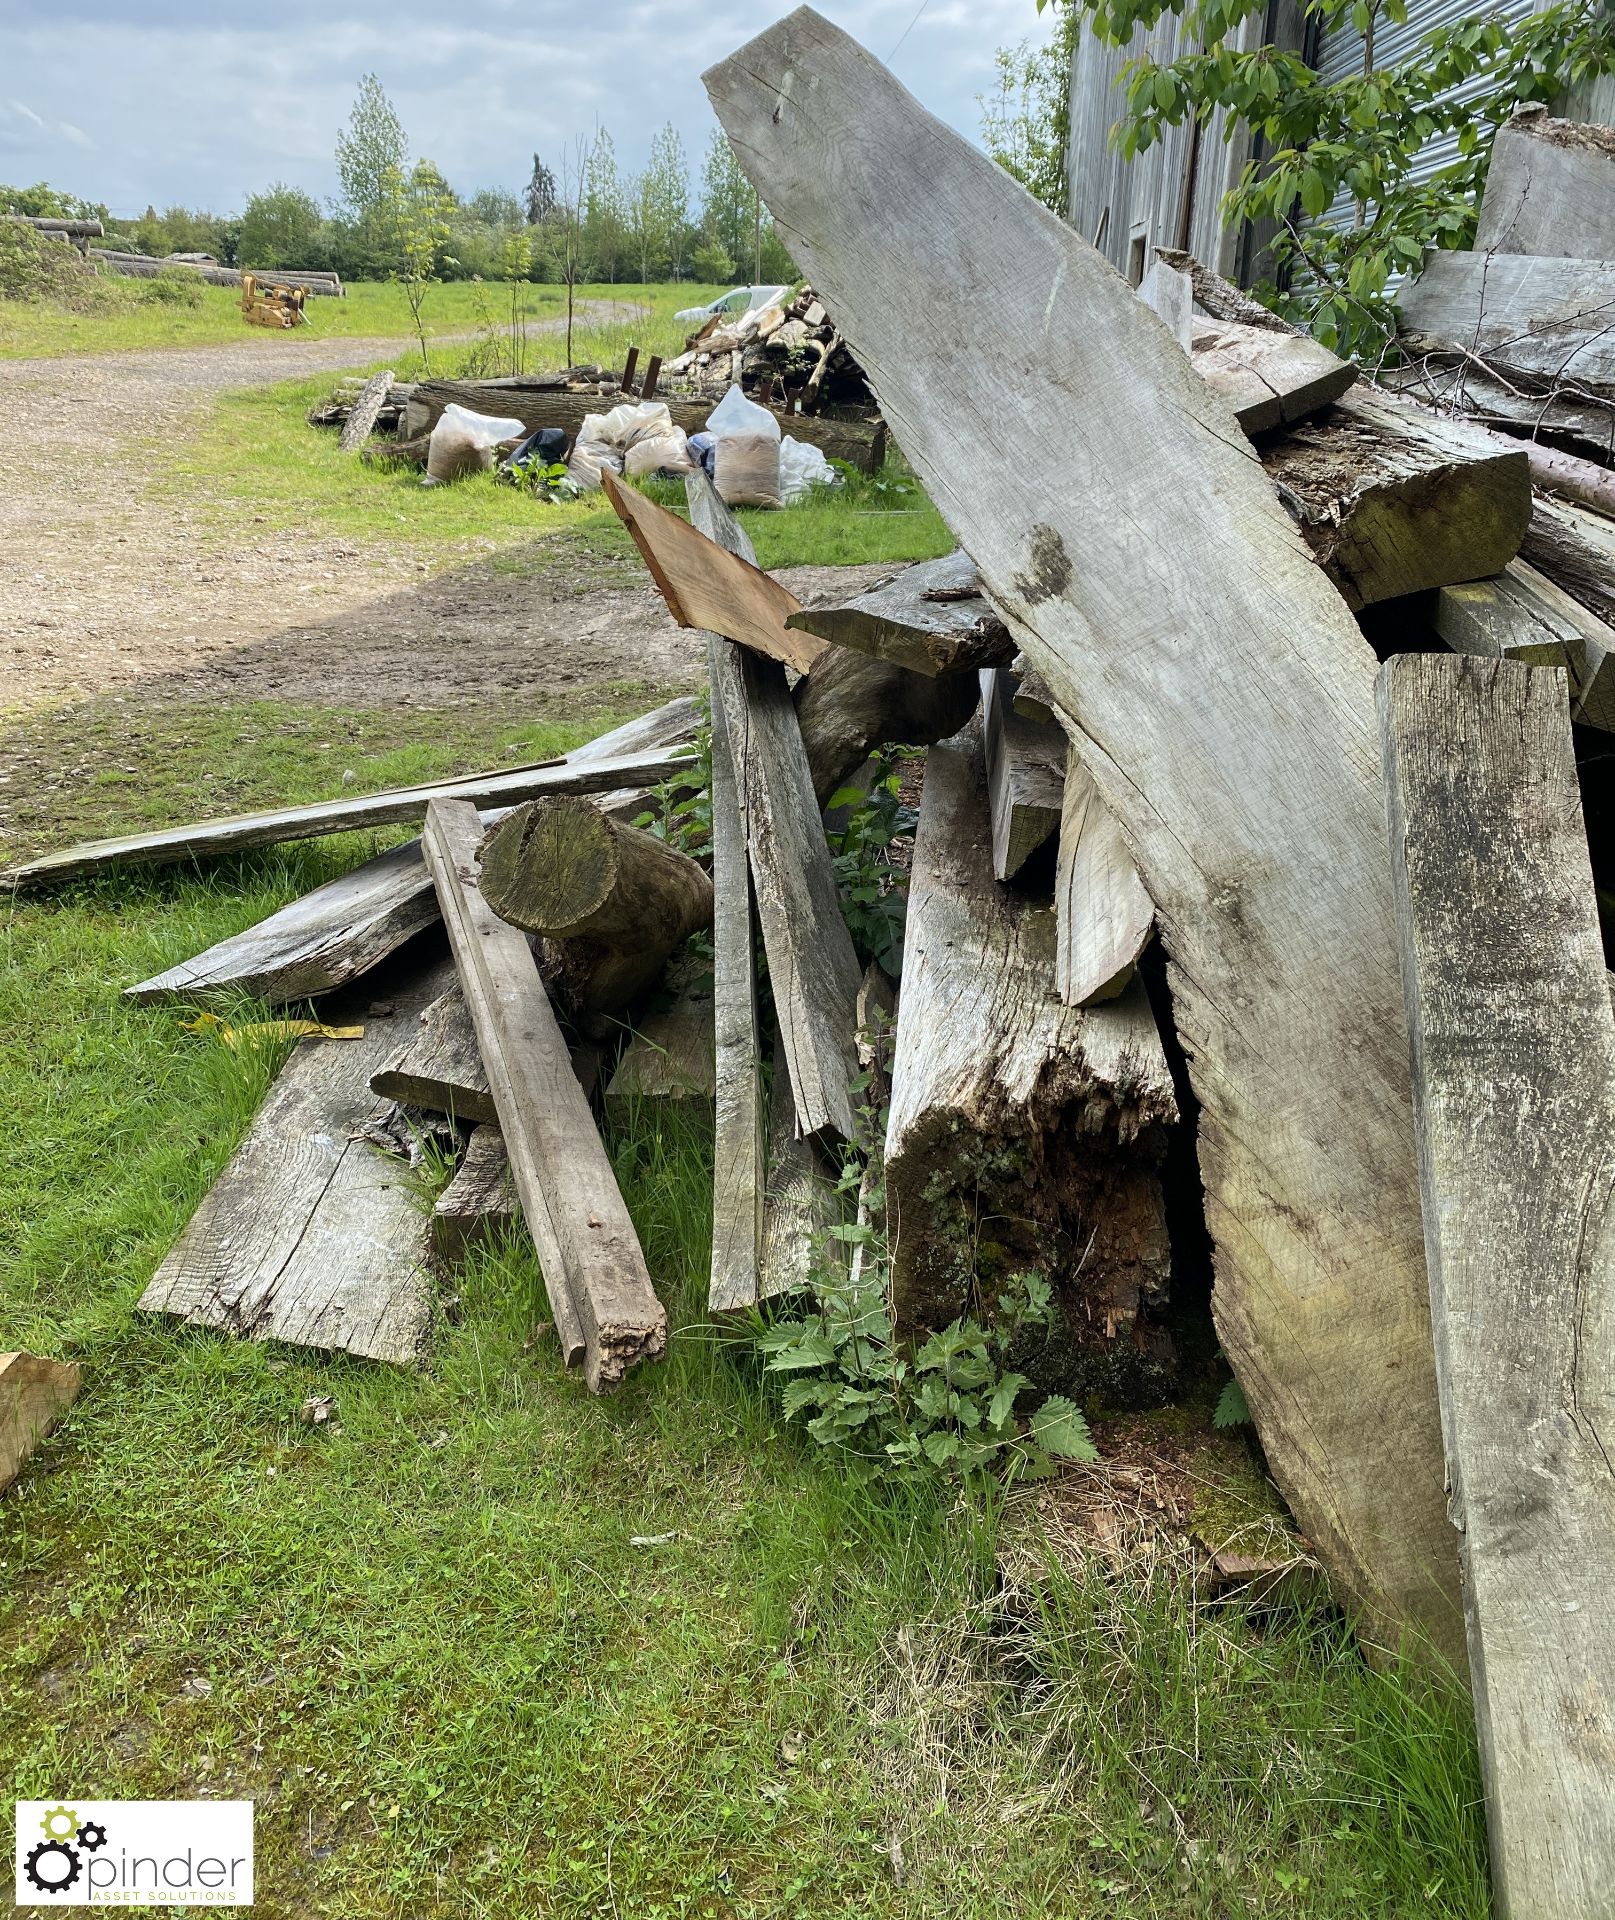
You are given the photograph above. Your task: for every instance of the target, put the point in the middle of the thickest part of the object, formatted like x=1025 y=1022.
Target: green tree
x=416 y=207
x=729 y=206
x=515 y=267
x=282 y=227
x=667 y=187
x=1026 y=123
x=494 y=207
x=373 y=154
x=538 y=197
x=605 y=209
x=1351 y=141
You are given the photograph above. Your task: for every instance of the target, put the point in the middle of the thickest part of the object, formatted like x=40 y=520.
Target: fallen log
x=930 y=618
x=1220 y=298
x=1576 y=550
x=34 y=1394
x=1104 y=917
x=707 y=587
x=73 y=229
x=361 y=420
x=1025 y=775
x=1521 y=615
x=310 y=1235
x=1257 y=818
x=1513 y=1046
x=139 y=266
x=344 y=928
x=1024 y=1135
x=479 y=1204
x=1547 y=323
x=166 y=846
x=1394 y=502
x=1550 y=189
x=858 y=443
x=850 y=704
x=1464 y=389
x=811 y=964
x=606 y=1312
x=439 y=1066
x=610 y=903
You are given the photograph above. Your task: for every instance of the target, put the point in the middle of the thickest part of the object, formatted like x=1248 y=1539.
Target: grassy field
x=131 y=319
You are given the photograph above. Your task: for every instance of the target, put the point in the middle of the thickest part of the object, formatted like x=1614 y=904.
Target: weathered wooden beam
x=670 y=1055
x=1167 y=292
x=1576 y=550
x=1023 y=1133
x=851 y=703
x=310 y=1235
x=344 y=928
x=1270 y=379
x=1513 y=1045
x=1025 y=775
x=437 y=1065
x=605 y=1309
x=34 y=1394
x=1233 y=696
x=930 y=618
x=800 y=1202
x=1395 y=501
x=480 y=1203
x=708 y=587
x=361 y=420
x=1542 y=322
x=1521 y=614
x=166 y=846
x=1550 y=189
x=1103 y=915
x=1033 y=701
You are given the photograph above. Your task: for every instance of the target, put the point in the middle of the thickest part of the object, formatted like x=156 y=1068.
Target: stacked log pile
x=793 y=351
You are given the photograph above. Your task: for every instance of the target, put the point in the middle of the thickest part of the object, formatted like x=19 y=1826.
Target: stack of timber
x=794 y=350
x=145 y=266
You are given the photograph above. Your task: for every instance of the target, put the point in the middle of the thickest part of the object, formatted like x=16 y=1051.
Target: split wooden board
x=438 y=1065
x=930 y=618
x=1025 y=774
x=1550 y=190
x=1513 y=1044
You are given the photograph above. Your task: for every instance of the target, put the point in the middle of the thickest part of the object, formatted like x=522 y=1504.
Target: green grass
x=131 y=320
x=437 y=1661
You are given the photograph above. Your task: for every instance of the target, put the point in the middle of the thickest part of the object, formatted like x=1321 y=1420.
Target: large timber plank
x=1550 y=190
x=1513 y=1045
x=1520 y=614
x=930 y=618
x=1227 y=697
x=310 y=1235
x=1542 y=321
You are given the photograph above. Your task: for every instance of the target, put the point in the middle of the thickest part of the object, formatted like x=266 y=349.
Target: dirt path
x=104 y=587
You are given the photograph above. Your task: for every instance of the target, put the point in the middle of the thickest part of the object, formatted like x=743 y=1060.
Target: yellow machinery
x=271 y=306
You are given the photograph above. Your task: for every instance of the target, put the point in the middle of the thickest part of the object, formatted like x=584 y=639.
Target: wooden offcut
x=708 y=587
x=1576 y=550
x=311 y=1235
x=801 y=1206
x=1520 y=614
x=1394 y=501
x=1544 y=324
x=34 y=1394
x=361 y=420
x=605 y=1310
x=1550 y=189
x=1270 y=379
x=1104 y=917
x=1025 y=775
x=438 y=1065
x=670 y=1053
x=1229 y=697
x=930 y=618
x=480 y=1204
x=1513 y=1045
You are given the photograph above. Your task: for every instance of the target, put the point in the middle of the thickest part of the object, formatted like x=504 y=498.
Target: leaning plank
x=479 y=1204
x=706 y=586
x=1025 y=775
x=34 y=1394
x=168 y=845
x=1513 y=1044
x=606 y=1312
x=1394 y=501
x=1521 y=614
x=1576 y=550
x=811 y=964
x=1550 y=189
x=1269 y=379
x=930 y=618
x=1023 y=1133
x=361 y=420
x=1544 y=322
x=1228 y=697
x=351 y=924
x=310 y=1235
x=438 y=1066
x=800 y=1204
x=1103 y=915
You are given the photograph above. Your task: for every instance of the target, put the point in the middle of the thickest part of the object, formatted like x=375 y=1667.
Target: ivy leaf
x=1059 y=1428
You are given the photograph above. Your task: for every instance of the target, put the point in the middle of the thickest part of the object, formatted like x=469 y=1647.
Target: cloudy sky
x=199 y=102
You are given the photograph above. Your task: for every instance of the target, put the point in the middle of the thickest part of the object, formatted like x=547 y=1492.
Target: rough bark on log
x=1269 y=379
x=606 y=1312
x=811 y=964
x=1221 y=298
x=438 y=1065
x=1576 y=550
x=480 y=1203
x=1550 y=190
x=1025 y=775
x=310 y=1235
x=1394 y=502
x=1513 y=1045
x=352 y=923
x=1257 y=820
x=930 y=618
x=1521 y=615
x=1548 y=322
x=135 y=266
x=611 y=903
x=850 y=704
x=34 y=1394
x=1023 y=1134
x=1103 y=915
x=861 y=444
x=361 y=420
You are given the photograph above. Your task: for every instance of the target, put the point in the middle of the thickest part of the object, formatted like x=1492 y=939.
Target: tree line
x=580 y=217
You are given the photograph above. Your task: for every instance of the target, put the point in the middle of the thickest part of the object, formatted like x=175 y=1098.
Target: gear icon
x=63 y=1878
x=61 y=1823
x=91 y=1836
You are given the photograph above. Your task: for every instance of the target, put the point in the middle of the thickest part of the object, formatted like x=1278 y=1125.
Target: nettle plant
x=1351 y=141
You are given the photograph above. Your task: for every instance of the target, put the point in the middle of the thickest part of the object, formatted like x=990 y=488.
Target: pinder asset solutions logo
x=134 y=1853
